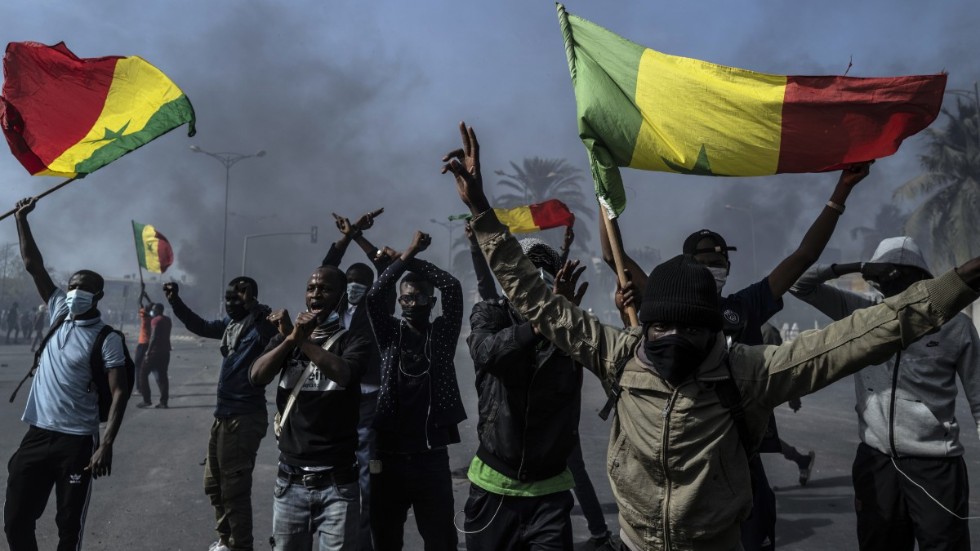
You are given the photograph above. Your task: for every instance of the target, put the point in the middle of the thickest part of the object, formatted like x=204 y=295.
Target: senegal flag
x=539 y=216
x=643 y=109
x=152 y=248
x=66 y=116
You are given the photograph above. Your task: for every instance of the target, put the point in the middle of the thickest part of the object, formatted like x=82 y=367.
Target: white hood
x=900 y=250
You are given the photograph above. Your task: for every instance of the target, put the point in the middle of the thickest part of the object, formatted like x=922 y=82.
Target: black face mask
x=417 y=315
x=237 y=312
x=674 y=357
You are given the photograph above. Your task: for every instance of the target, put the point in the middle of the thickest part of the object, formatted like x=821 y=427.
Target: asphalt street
x=154 y=498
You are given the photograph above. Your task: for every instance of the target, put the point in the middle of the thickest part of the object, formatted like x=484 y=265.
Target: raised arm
x=638 y=274
x=378 y=306
x=868 y=336
x=834 y=303
x=494 y=349
x=33 y=262
x=485 y=285
x=816 y=238
x=597 y=347
x=194 y=323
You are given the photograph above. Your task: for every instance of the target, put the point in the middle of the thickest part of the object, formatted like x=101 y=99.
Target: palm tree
x=946 y=223
x=538 y=180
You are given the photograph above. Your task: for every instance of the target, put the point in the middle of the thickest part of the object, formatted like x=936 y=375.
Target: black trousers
x=759 y=530
x=158 y=365
x=47 y=459
x=495 y=522
x=421 y=481
x=893 y=514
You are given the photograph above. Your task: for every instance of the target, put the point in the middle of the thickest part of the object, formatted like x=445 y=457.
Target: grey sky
x=357 y=101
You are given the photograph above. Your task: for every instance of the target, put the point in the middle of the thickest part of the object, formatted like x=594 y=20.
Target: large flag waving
x=643 y=109
x=152 y=249
x=531 y=218
x=67 y=116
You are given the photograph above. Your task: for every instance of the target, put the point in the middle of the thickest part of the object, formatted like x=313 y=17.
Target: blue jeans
x=301 y=514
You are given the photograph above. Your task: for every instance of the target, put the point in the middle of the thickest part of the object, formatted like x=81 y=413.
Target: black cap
x=691 y=243
x=681 y=291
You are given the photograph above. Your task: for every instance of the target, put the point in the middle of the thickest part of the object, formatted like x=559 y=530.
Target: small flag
x=152 y=248
x=640 y=108
x=67 y=116
x=539 y=216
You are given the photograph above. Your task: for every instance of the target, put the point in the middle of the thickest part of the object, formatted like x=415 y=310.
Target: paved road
x=154 y=502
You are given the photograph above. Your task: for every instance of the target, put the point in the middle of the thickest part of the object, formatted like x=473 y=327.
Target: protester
x=240 y=418
x=62 y=448
x=804 y=462
x=355 y=319
x=13 y=322
x=910 y=449
x=319 y=365
x=529 y=403
x=745 y=311
x=40 y=326
x=144 y=335
x=688 y=407
x=419 y=406
x=494 y=311
x=156 y=359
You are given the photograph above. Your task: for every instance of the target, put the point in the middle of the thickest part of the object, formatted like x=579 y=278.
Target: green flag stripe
x=169 y=116
x=604 y=69
x=140 y=248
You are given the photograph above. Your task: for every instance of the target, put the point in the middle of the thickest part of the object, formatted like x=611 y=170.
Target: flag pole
x=138 y=264
x=45 y=194
x=616 y=244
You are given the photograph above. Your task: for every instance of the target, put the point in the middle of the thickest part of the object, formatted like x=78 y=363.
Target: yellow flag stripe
x=135 y=83
x=150 y=248
x=687 y=104
x=518 y=219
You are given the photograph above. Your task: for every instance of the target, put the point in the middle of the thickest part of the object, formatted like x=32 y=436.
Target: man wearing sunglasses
x=419 y=405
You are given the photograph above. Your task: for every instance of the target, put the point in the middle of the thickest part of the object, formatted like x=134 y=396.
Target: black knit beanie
x=681 y=291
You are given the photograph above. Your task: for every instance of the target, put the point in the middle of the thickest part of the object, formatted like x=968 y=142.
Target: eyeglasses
x=417 y=299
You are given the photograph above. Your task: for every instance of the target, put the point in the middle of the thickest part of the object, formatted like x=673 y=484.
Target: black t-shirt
x=321 y=430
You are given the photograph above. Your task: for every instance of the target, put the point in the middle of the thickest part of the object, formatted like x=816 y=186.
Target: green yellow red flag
x=531 y=218
x=539 y=216
x=152 y=249
x=644 y=109
x=67 y=116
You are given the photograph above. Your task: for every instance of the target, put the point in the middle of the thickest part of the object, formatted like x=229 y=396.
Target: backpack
x=99 y=378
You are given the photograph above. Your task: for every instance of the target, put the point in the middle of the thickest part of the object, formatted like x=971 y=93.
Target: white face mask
x=78 y=301
x=720 y=275
x=355 y=292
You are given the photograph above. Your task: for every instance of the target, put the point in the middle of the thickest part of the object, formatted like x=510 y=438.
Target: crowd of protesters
x=367 y=402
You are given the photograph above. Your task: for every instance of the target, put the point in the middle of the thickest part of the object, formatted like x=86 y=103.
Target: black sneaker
x=805 y=471
x=600 y=543
x=144 y=405
x=161 y=405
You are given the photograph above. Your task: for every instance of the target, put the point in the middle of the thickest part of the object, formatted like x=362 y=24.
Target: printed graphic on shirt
x=316 y=382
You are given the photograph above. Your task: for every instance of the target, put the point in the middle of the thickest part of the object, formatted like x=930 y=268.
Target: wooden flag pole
x=45 y=194
x=616 y=244
x=138 y=264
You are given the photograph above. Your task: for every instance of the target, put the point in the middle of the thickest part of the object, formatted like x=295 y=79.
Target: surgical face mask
x=356 y=292
x=720 y=275
x=674 y=357
x=417 y=314
x=79 y=301
x=549 y=279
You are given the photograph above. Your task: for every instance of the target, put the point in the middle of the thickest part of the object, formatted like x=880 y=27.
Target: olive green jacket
x=675 y=462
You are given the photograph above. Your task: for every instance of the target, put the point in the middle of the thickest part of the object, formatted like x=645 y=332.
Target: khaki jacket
x=677 y=468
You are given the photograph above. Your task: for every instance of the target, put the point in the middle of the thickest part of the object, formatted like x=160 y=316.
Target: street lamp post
x=755 y=257
x=312 y=233
x=229 y=160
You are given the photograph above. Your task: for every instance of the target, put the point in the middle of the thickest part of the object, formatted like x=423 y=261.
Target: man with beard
x=689 y=407
x=910 y=449
x=319 y=364
x=240 y=418
x=360 y=277
x=419 y=405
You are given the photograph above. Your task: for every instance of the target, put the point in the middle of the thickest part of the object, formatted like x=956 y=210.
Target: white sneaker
x=218 y=546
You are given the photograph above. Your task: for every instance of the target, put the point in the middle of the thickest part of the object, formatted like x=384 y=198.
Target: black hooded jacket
x=530 y=395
